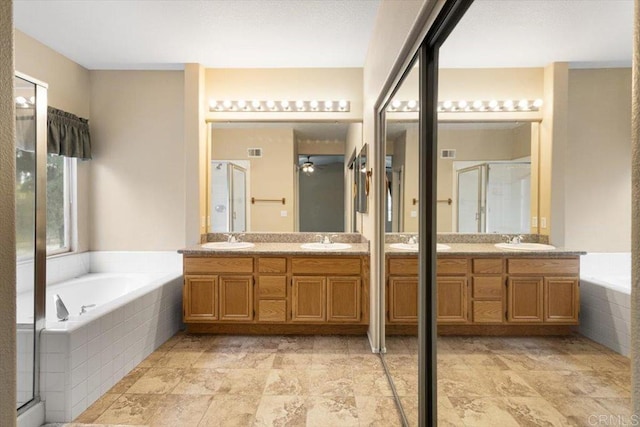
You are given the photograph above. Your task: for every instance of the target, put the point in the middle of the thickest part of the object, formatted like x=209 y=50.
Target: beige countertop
x=263 y=248
x=486 y=249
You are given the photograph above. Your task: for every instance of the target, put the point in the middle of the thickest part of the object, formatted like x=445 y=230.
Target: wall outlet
x=414 y=214
x=534 y=221
x=283 y=213
x=543 y=222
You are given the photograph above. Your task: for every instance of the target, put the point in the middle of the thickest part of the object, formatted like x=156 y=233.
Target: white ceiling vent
x=448 y=153
x=254 y=152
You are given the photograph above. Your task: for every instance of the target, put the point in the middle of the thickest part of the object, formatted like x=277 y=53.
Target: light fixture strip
x=283 y=106
x=464 y=106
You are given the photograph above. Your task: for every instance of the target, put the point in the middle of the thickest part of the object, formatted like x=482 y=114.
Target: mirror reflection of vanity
x=486 y=177
x=285 y=176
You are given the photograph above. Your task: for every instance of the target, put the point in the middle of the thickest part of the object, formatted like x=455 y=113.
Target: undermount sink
x=228 y=245
x=414 y=246
x=325 y=246
x=525 y=246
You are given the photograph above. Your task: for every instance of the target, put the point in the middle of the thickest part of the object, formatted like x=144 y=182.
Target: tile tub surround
x=80 y=365
x=606 y=300
x=206 y=380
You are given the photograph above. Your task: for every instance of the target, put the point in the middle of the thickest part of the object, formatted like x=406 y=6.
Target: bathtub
x=138 y=306
x=605 y=299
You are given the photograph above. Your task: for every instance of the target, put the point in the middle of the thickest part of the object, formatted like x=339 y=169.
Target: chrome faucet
x=83 y=309
x=232 y=238
x=412 y=240
x=514 y=240
x=61 y=310
x=326 y=239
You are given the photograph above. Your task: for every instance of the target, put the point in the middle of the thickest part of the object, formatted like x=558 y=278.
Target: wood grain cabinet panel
x=544 y=266
x=451 y=266
x=236 y=298
x=325 y=266
x=403 y=266
x=205 y=265
x=488 y=312
x=524 y=297
x=561 y=299
x=344 y=299
x=487 y=265
x=272 y=310
x=272 y=287
x=402 y=300
x=200 y=298
x=488 y=287
x=272 y=265
x=452 y=300
x=308 y=299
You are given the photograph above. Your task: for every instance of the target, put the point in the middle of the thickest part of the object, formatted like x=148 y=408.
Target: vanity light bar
x=470 y=106
x=284 y=106
x=22 y=102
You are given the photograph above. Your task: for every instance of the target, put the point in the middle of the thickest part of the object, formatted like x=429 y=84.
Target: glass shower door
x=470 y=200
x=30 y=188
x=238 y=199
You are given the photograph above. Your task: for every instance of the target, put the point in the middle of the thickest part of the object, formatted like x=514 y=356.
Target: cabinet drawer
x=451 y=266
x=403 y=266
x=487 y=312
x=272 y=310
x=272 y=265
x=326 y=266
x=488 y=287
x=272 y=287
x=487 y=266
x=195 y=265
x=544 y=266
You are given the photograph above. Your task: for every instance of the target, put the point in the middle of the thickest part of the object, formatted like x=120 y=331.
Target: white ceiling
x=534 y=33
x=153 y=34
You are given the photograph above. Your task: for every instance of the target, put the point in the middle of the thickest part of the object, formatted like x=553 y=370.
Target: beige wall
x=69 y=90
x=270 y=177
x=352 y=144
x=597 y=165
x=138 y=170
x=7 y=221
x=285 y=84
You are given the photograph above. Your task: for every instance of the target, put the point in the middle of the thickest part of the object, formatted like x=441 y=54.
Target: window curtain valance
x=68 y=134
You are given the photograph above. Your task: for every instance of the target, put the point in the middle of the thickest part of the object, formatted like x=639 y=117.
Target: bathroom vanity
x=484 y=290
x=276 y=287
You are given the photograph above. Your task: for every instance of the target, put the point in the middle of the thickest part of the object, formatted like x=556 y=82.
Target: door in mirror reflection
x=228 y=196
x=469 y=200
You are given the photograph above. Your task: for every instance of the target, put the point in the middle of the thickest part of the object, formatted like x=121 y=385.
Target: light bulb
x=313 y=104
x=477 y=104
x=213 y=104
x=271 y=105
x=32 y=100
x=300 y=105
x=284 y=104
x=395 y=104
x=523 y=104
x=242 y=104
x=328 y=105
x=508 y=104
x=342 y=104
x=462 y=104
x=256 y=104
x=310 y=169
x=493 y=104
x=412 y=104
x=227 y=104
x=447 y=104
x=537 y=103
x=21 y=100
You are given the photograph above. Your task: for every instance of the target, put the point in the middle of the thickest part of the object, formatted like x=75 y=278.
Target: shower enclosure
x=31 y=186
x=228 y=197
x=494 y=197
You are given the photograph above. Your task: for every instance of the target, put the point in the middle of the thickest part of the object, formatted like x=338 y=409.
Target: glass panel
x=239 y=199
x=469 y=200
x=508 y=197
x=57 y=204
x=219 y=197
x=25 y=237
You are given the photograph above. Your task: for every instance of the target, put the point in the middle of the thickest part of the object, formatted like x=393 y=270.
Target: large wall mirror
x=284 y=176
x=486 y=176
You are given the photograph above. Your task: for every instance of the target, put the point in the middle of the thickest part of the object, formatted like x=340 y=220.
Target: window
x=59 y=171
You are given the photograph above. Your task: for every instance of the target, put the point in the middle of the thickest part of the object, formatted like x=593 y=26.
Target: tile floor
x=336 y=381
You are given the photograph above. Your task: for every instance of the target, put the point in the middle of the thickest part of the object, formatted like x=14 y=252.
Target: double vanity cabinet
x=276 y=288
x=488 y=292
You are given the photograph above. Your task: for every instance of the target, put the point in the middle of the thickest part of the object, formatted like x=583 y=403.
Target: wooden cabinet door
x=236 y=298
x=309 y=299
x=200 y=298
x=524 y=299
x=452 y=300
x=561 y=299
x=402 y=301
x=344 y=299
